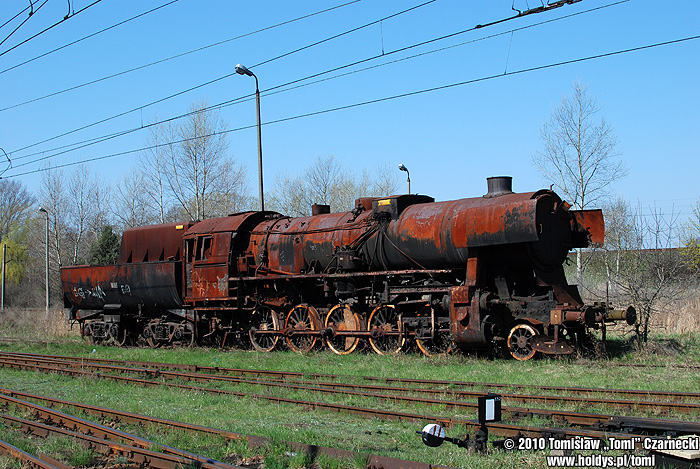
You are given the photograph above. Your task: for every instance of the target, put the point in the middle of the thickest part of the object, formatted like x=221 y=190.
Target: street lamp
x=408 y=176
x=241 y=70
x=46 y=214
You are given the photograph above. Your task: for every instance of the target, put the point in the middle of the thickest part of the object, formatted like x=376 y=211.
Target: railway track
x=622 y=398
x=111 y=442
x=607 y=422
x=593 y=425
x=105 y=440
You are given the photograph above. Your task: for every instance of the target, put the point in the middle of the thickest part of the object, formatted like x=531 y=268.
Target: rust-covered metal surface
x=489 y=267
x=149 y=284
x=231 y=223
x=297 y=245
x=424 y=235
x=26 y=459
x=589 y=227
x=212 y=248
x=441 y=233
x=152 y=243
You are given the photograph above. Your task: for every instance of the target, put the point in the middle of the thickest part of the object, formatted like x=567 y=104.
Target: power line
x=124 y=72
x=84 y=38
x=269 y=91
x=25 y=20
x=379 y=100
x=50 y=27
x=15 y=17
x=219 y=78
x=343 y=33
x=156 y=62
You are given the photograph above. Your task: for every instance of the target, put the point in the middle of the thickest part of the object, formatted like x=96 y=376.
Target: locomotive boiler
x=474 y=273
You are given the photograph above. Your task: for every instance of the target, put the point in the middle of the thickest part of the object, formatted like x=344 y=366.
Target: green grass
x=285 y=422
x=61 y=448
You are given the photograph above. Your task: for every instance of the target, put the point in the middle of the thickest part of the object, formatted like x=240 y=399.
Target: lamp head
x=42 y=209
x=241 y=70
x=403 y=168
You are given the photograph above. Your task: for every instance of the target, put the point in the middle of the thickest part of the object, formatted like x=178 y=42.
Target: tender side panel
x=152 y=243
x=151 y=284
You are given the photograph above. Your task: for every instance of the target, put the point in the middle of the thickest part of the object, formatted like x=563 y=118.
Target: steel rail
x=646 y=394
x=135 y=454
x=113 y=435
x=498 y=428
x=600 y=421
x=27 y=459
x=330 y=388
x=373 y=461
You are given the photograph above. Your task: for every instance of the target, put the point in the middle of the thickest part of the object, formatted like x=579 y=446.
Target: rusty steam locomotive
x=474 y=273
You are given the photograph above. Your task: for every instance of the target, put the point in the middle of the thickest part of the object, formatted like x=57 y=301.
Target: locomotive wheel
x=519 y=344
x=441 y=343
x=147 y=334
x=153 y=343
x=302 y=318
x=384 y=319
x=342 y=318
x=87 y=333
x=116 y=335
x=264 y=319
x=184 y=335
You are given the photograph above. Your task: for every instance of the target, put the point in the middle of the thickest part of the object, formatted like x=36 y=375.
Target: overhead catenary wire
x=124 y=72
x=84 y=38
x=67 y=17
x=215 y=80
x=15 y=16
x=375 y=101
x=25 y=20
x=286 y=86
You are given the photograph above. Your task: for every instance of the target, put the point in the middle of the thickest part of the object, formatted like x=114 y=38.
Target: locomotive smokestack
x=499 y=185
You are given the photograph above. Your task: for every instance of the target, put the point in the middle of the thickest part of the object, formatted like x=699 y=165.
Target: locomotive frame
x=470 y=273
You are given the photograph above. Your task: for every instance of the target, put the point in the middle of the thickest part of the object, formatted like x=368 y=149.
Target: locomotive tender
x=473 y=273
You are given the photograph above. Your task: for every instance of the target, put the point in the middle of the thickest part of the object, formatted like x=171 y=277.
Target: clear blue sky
x=450 y=139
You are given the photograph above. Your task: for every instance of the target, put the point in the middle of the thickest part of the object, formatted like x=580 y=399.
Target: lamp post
x=46 y=214
x=408 y=176
x=241 y=70
x=4 y=266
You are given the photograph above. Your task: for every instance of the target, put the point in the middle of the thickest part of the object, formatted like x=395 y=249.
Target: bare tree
x=690 y=238
x=54 y=198
x=153 y=168
x=87 y=212
x=15 y=202
x=380 y=182
x=288 y=196
x=328 y=182
x=579 y=156
x=133 y=204
x=619 y=237
x=188 y=172
x=644 y=266
x=77 y=211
